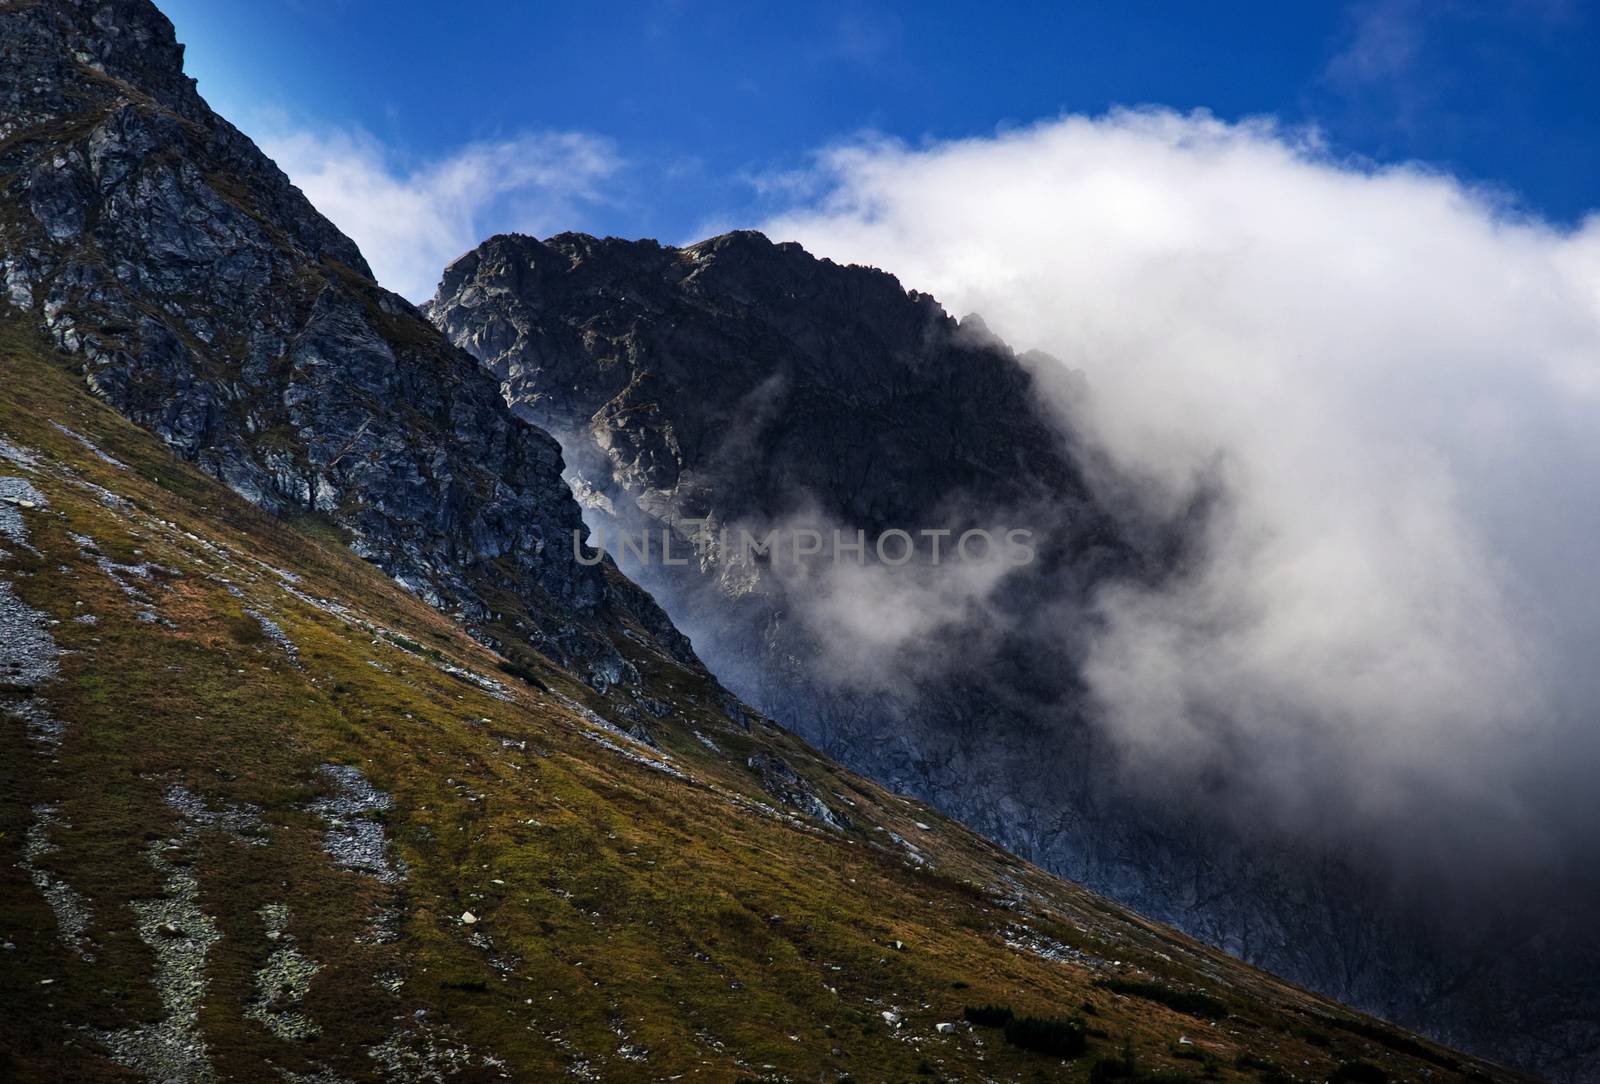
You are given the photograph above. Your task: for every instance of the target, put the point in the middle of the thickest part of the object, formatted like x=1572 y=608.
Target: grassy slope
x=624 y=909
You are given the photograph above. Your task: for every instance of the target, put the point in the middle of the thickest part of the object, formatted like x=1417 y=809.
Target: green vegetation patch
x=1191 y=1002
x=988 y=1016
x=1060 y=1037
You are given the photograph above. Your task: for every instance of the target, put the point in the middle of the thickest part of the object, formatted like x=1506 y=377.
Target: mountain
x=739 y=383
x=326 y=758
x=208 y=302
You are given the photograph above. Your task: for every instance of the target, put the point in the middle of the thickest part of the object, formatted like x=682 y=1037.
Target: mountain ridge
x=211 y=303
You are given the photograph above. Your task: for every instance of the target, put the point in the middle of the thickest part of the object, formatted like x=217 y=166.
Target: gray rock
x=28 y=653
x=204 y=298
x=172 y=1048
x=70 y=907
x=355 y=834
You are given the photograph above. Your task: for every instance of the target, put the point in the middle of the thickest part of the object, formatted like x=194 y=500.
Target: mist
x=1390 y=377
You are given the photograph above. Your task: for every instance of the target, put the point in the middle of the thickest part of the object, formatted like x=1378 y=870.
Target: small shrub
x=523 y=674
x=1059 y=1037
x=407 y=644
x=1191 y=1002
x=1267 y=1070
x=1360 y=1072
x=1395 y=1041
x=246 y=631
x=960 y=886
x=1107 y=1069
x=988 y=1016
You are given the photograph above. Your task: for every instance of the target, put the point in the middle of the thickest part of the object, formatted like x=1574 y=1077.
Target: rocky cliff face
x=206 y=300
x=741 y=383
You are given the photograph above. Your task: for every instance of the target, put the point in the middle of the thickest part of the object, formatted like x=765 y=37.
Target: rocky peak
x=678 y=354
x=203 y=297
x=120 y=39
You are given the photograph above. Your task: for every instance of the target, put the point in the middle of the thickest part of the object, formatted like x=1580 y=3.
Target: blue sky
x=685 y=113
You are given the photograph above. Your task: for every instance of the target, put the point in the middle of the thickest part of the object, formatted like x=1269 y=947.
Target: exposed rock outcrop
x=208 y=301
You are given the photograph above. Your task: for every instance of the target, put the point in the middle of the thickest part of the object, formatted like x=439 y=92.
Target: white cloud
x=412 y=219
x=1384 y=40
x=1398 y=383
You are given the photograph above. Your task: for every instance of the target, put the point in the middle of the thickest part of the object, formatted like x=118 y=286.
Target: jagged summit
x=746 y=256
x=680 y=343
x=129 y=49
x=207 y=300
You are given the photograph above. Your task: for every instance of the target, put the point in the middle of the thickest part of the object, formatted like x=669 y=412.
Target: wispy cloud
x=1384 y=38
x=865 y=37
x=411 y=218
x=1398 y=60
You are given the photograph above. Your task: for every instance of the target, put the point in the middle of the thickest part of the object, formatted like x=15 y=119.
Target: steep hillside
x=745 y=383
x=266 y=815
x=208 y=301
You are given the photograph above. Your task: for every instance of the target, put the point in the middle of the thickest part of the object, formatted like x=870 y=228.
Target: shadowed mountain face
x=739 y=385
x=742 y=385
